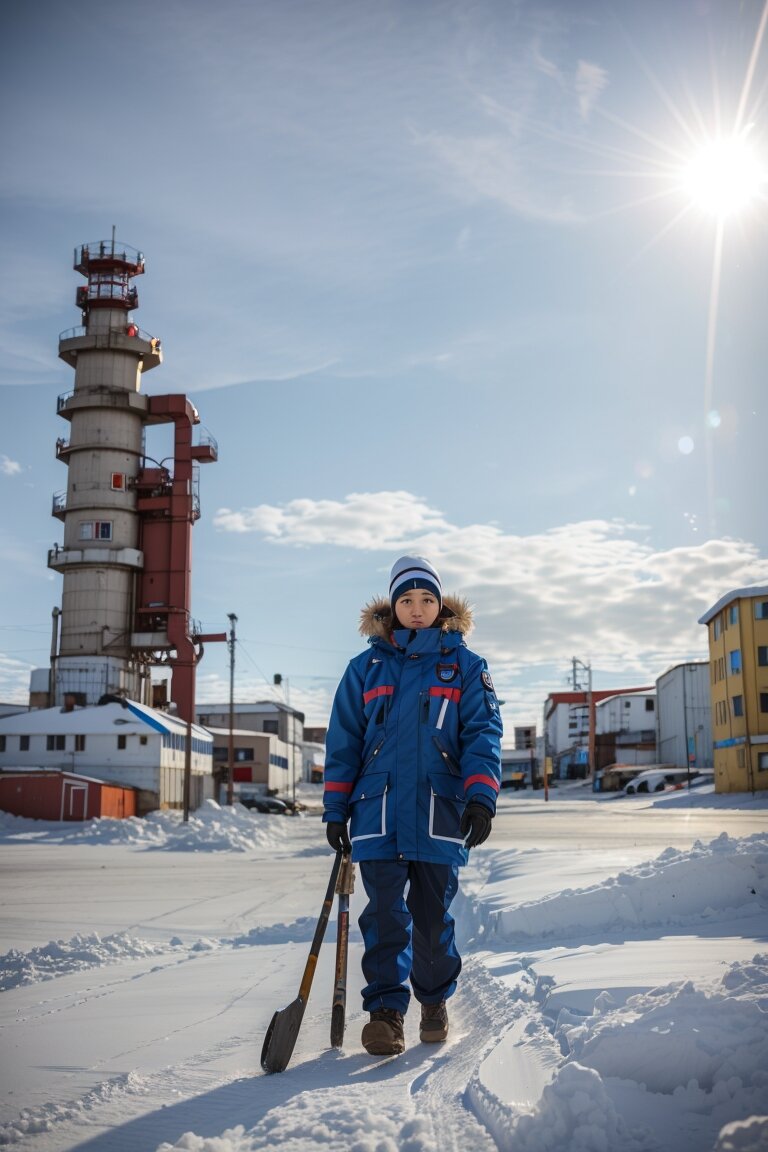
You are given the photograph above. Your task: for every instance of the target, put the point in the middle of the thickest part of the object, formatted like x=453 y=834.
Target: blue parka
x=415 y=733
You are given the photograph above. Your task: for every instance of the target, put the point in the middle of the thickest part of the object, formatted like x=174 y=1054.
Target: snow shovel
x=281 y=1035
x=345 y=887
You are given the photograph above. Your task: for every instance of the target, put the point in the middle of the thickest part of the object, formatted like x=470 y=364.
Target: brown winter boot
x=383 y=1034
x=434 y=1023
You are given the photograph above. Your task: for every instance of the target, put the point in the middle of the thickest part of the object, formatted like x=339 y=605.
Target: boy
x=413 y=757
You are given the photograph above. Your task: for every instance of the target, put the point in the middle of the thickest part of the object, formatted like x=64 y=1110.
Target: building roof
x=256 y=706
x=556 y=698
x=754 y=592
x=249 y=732
x=630 y=692
x=98 y=719
x=14 y=773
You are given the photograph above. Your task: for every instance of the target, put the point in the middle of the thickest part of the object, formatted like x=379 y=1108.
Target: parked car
x=656 y=780
x=268 y=804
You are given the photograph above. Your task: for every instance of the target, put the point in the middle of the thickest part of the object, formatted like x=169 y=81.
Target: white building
x=262 y=716
x=684 y=716
x=314 y=762
x=257 y=758
x=119 y=740
x=627 y=713
x=625 y=729
x=566 y=725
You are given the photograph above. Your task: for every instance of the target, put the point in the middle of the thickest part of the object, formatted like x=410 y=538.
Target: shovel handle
x=317 y=939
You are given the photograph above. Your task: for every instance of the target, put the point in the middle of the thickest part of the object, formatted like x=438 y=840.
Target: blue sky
x=433 y=276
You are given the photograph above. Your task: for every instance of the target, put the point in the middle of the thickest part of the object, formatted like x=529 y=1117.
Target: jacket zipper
x=453 y=767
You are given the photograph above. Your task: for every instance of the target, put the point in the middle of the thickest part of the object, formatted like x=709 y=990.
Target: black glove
x=475 y=824
x=336 y=834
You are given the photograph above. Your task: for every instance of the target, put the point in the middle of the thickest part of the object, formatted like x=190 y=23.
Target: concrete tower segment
x=104 y=647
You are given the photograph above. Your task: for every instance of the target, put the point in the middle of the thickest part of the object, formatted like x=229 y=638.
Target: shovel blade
x=280 y=1039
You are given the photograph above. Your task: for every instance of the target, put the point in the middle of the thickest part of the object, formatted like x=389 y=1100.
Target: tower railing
x=112 y=251
x=205 y=437
x=122 y=330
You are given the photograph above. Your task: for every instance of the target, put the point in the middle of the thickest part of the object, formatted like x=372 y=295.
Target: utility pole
x=231 y=752
x=590 y=713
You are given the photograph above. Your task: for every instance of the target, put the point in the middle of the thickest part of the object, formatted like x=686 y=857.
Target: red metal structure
x=168 y=507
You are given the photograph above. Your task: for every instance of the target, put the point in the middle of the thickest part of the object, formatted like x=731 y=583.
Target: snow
x=614 y=996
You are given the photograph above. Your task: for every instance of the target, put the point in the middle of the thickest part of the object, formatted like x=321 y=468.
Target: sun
x=724 y=175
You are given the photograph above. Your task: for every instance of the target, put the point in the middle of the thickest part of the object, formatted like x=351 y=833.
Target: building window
x=242 y=755
x=717 y=627
x=143 y=739
x=737 y=703
x=271 y=726
x=733 y=614
x=117 y=482
x=762 y=761
x=79 y=743
x=764 y=701
x=761 y=610
x=55 y=743
x=2 y=743
x=95 y=530
x=762 y=655
x=23 y=743
x=122 y=742
x=735 y=657
x=650 y=705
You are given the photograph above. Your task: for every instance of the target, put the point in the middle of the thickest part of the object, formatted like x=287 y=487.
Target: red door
x=74 y=801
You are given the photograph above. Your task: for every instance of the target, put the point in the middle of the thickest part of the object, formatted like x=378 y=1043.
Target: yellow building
x=738 y=666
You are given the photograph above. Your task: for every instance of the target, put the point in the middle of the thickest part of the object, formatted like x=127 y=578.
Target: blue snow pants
x=408 y=937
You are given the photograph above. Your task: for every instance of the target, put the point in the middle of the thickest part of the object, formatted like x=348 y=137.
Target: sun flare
x=724 y=175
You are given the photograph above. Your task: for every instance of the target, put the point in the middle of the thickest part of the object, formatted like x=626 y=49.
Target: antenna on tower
x=113 y=239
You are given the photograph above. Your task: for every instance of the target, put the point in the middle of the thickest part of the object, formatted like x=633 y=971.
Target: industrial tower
x=126 y=557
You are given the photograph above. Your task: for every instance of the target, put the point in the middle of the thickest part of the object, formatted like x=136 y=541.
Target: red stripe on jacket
x=489 y=780
x=382 y=690
x=337 y=786
x=452 y=694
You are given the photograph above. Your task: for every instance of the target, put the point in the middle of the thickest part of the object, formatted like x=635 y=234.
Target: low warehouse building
x=117 y=741
x=51 y=795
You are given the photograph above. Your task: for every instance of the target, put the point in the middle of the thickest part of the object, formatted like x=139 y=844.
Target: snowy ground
x=613 y=999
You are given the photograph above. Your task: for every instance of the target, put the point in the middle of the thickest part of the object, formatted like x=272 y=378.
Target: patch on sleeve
x=487 y=682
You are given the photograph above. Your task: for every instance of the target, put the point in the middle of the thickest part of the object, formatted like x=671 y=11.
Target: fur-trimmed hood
x=376 y=617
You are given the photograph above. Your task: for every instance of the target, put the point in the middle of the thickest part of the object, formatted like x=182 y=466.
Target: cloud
x=364 y=520
x=497 y=168
x=597 y=589
x=590 y=81
x=14 y=679
x=9 y=467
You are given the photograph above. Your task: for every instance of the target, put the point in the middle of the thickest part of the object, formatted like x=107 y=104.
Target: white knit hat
x=414 y=572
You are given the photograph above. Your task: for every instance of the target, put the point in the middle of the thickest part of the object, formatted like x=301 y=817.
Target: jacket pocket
x=446 y=805
x=450 y=763
x=368 y=806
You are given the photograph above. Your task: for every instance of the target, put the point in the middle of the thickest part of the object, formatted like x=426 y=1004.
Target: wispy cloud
x=496 y=168
x=597 y=588
x=265 y=376
x=9 y=467
x=590 y=81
